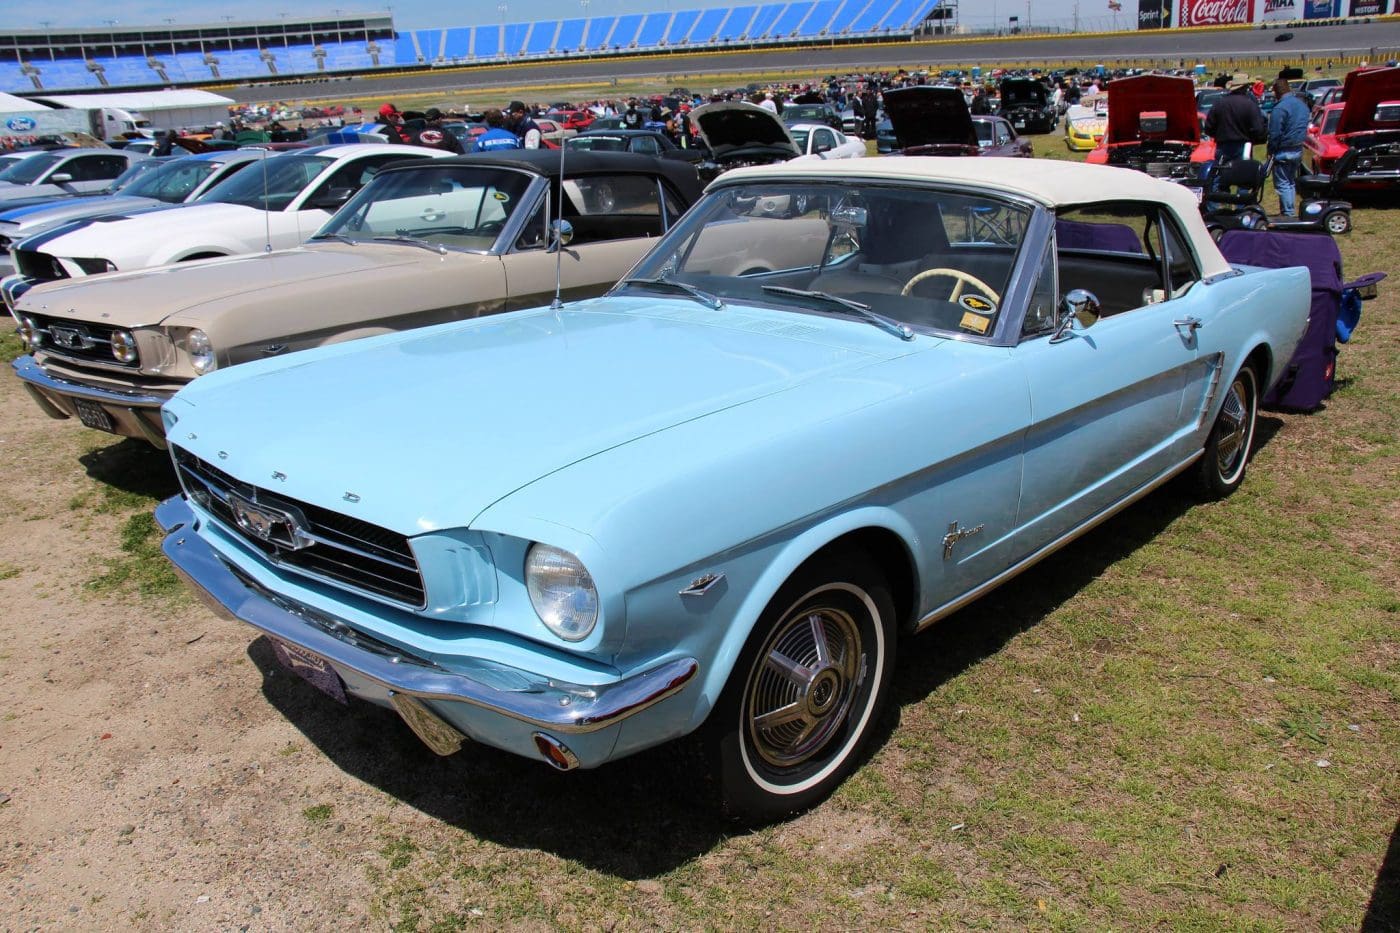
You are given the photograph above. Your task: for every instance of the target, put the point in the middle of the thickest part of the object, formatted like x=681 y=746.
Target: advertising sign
x=1368 y=7
x=22 y=128
x=1218 y=12
x=1319 y=9
x=1280 y=11
x=1155 y=14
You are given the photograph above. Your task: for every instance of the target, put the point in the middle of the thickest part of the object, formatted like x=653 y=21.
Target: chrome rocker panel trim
x=540 y=701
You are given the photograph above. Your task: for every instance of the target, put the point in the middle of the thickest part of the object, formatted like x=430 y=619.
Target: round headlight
x=201 y=351
x=562 y=592
x=124 y=346
x=29 y=332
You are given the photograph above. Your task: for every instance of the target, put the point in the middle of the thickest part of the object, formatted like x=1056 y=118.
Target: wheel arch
x=1262 y=359
x=879 y=532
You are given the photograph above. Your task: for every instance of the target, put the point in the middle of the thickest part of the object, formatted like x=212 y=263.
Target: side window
x=1114 y=250
x=94 y=168
x=612 y=207
x=1003 y=135
x=645 y=145
x=355 y=175
x=823 y=141
x=535 y=235
x=674 y=206
x=1181 y=263
x=1040 y=313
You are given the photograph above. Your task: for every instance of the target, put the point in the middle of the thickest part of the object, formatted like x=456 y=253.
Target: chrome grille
x=79 y=340
x=40 y=267
x=327 y=545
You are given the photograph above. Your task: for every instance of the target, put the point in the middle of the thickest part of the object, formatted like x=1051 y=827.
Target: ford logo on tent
x=21 y=124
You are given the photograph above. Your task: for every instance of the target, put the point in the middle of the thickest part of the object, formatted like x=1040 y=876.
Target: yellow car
x=1084 y=133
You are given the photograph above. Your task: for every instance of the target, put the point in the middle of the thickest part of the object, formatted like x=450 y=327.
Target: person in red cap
x=391 y=118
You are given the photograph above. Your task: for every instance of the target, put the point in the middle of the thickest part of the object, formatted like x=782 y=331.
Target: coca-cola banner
x=1219 y=12
x=1368 y=7
x=1279 y=11
x=1320 y=9
x=1155 y=14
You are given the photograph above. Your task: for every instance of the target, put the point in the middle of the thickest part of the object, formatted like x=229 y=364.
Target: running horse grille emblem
x=273 y=526
x=69 y=338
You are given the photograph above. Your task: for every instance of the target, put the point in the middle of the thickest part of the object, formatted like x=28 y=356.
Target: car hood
x=1129 y=98
x=731 y=126
x=147 y=297
x=930 y=116
x=1363 y=91
x=424 y=430
x=1023 y=92
x=53 y=212
x=97 y=236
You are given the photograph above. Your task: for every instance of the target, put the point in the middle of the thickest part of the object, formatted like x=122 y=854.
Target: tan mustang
x=424 y=243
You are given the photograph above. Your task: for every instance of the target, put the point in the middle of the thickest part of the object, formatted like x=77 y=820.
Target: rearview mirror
x=1080 y=307
x=60 y=178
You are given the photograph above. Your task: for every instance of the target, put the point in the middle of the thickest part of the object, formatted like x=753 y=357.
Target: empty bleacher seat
x=598 y=30
x=570 y=38
x=625 y=32
x=513 y=38
x=653 y=30
x=841 y=23
x=541 y=37
x=763 y=22
x=869 y=19
x=819 y=19
x=405 y=52
x=458 y=45
x=708 y=25
x=681 y=25
x=486 y=42
x=736 y=24
x=789 y=20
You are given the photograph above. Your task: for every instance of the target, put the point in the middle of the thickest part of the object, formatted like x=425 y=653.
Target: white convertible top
x=1051 y=182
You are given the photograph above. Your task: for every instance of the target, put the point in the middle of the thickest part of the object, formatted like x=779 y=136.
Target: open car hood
x=1129 y=98
x=1023 y=92
x=733 y=127
x=1363 y=92
x=930 y=116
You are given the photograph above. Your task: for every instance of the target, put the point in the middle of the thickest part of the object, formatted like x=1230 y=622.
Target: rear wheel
x=806 y=691
x=1337 y=222
x=1221 y=467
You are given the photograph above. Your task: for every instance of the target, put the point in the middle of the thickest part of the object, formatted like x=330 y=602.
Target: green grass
x=1126 y=737
x=11 y=347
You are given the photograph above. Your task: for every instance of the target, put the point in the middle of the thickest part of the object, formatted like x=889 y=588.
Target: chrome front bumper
x=488 y=701
x=133 y=414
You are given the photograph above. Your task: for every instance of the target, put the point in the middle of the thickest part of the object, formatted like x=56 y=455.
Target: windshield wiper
x=704 y=297
x=337 y=236
x=879 y=320
x=412 y=241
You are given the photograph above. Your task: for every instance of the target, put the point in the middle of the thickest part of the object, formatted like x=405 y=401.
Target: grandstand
x=75 y=59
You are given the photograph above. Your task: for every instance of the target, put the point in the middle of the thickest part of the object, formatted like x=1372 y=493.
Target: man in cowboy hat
x=1236 y=121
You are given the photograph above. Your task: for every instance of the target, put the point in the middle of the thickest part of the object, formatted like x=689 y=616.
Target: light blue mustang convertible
x=835 y=403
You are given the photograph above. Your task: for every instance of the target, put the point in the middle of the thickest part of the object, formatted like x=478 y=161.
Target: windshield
x=455 y=206
x=172 y=182
x=801 y=113
x=29 y=170
x=938 y=261
x=128 y=177
x=598 y=143
x=1329 y=122
x=271 y=185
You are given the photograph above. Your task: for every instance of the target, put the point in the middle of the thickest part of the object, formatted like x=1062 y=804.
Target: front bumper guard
x=549 y=705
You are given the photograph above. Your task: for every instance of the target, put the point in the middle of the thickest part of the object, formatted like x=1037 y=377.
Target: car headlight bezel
x=123 y=343
x=200 y=351
x=562 y=592
x=29 y=334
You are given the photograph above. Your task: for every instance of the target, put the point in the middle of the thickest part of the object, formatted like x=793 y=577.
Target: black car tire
x=837 y=615
x=1337 y=222
x=1221 y=469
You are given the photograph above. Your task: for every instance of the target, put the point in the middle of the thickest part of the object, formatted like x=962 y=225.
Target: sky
x=421 y=14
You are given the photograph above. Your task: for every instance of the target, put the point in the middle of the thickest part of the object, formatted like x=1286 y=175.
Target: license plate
x=315 y=670
x=92 y=415
x=1020 y=124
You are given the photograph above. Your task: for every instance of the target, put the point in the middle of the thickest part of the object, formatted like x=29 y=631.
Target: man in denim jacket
x=1288 y=127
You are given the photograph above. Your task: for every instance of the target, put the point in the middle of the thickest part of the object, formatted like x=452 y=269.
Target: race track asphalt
x=1378 y=40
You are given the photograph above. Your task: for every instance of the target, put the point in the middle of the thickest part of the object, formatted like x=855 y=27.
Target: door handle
x=1192 y=324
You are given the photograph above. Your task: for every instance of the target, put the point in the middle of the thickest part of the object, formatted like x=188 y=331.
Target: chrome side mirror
x=60 y=178
x=561 y=234
x=1081 y=307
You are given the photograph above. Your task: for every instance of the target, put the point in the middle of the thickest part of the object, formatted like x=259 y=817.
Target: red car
x=572 y=119
x=1367 y=130
x=1322 y=145
x=1154 y=127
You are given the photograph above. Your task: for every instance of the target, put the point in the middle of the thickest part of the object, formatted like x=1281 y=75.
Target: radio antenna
x=558 y=232
x=267 y=208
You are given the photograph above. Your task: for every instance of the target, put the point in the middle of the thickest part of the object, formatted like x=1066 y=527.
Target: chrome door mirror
x=561 y=234
x=1080 y=307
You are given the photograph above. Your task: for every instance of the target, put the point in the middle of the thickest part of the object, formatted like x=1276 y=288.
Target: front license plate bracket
x=311 y=668
x=93 y=415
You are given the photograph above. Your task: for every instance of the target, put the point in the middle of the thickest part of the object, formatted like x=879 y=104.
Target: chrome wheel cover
x=803 y=684
x=1233 y=429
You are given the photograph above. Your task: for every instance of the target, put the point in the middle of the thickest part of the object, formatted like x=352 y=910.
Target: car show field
x=1187 y=717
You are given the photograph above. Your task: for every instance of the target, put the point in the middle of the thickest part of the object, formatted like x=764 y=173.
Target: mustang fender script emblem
x=271 y=525
x=956 y=534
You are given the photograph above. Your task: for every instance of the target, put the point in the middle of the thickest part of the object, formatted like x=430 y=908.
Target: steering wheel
x=962 y=279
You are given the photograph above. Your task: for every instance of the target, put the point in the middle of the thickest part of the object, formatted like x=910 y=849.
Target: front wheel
x=1337 y=222
x=806 y=691
x=1222 y=465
